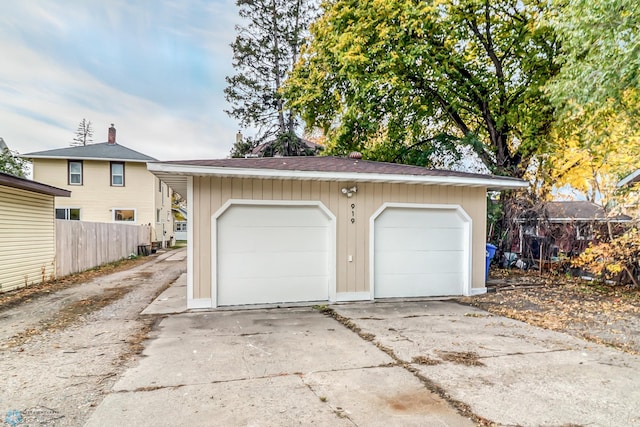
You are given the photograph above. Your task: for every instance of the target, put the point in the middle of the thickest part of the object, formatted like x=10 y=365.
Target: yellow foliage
x=594 y=148
x=618 y=258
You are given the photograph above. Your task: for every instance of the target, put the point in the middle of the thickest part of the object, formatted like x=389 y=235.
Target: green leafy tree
x=265 y=49
x=84 y=134
x=600 y=53
x=409 y=81
x=11 y=162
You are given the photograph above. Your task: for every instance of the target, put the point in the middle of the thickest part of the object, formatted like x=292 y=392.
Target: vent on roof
x=112 y=135
x=355 y=155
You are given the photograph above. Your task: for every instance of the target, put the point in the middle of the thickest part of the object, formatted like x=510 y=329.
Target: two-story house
x=109 y=183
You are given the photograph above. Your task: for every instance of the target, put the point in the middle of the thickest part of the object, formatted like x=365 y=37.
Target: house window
x=530 y=230
x=124 y=215
x=75 y=172
x=159 y=186
x=584 y=232
x=158 y=215
x=117 y=174
x=68 y=213
x=181 y=226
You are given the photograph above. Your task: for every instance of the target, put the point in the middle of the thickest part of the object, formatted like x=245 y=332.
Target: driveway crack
x=462 y=408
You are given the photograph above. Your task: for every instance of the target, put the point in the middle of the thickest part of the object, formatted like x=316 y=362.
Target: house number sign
x=353 y=213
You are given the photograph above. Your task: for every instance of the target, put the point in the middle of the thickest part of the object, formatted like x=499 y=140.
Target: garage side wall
x=27 y=238
x=352 y=277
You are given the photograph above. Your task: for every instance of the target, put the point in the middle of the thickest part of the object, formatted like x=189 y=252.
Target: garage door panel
x=439 y=284
x=272 y=254
x=235 y=265
x=273 y=290
x=278 y=216
x=400 y=218
x=421 y=262
x=421 y=238
x=419 y=251
x=276 y=239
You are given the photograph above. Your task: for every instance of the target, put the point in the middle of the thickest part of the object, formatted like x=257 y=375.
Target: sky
x=154 y=68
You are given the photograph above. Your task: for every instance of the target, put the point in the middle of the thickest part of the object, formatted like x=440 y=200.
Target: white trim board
x=468 y=248
x=332 y=244
x=179 y=169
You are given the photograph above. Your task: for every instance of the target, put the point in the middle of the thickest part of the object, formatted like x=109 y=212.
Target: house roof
x=259 y=150
x=567 y=211
x=632 y=178
x=325 y=168
x=9 y=180
x=100 y=151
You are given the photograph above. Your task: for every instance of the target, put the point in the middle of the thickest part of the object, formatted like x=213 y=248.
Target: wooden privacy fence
x=83 y=245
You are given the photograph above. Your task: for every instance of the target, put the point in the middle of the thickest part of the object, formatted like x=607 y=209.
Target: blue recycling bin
x=491 y=252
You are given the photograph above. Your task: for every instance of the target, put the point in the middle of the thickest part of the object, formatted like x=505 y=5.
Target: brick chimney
x=112 y=135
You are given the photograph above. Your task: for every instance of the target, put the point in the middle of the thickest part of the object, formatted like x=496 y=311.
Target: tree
x=593 y=150
x=600 y=53
x=427 y=78
x=84 y=134
x=264 y=51
x=11 y=162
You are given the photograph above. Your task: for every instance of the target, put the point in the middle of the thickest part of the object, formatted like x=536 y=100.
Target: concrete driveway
x=381 y=364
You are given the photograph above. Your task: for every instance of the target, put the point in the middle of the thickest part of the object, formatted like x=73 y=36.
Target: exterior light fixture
x=349 y=191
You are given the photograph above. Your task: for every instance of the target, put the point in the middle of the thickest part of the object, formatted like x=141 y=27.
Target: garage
x=421 y=251
x=329 y=229
x=273 y=253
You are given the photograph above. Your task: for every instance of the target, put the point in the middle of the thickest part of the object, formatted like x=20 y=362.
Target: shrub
x=616 y=260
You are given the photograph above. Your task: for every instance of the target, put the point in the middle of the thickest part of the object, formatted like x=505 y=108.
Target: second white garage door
x=420 y=252
x=273 y=254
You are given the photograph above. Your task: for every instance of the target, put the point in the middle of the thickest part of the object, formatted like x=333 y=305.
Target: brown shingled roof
x=13 y=181
x=330 y=164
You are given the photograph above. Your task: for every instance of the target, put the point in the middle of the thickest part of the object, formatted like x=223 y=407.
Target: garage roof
x=324 y=168
x=26 y=184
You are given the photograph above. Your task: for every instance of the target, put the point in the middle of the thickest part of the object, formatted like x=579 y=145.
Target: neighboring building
x=180 y=223
x=307 y=229
x=109 y=183
x=566 y=227
x=27 y=231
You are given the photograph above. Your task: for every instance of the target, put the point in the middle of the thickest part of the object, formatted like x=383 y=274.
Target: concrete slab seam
x=462 y=408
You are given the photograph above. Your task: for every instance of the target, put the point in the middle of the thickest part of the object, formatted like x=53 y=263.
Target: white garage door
x=272 y=254
x=420 y=252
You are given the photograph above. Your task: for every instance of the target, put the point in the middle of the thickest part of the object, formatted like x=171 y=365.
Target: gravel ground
x=61 y=352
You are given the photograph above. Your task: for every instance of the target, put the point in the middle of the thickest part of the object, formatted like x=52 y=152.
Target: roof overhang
x=176 y=176
x=97 y=159
x=629 y=179
x=29 y=185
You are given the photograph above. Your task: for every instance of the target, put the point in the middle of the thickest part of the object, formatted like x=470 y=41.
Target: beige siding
x=27 y=238
x=96 y=197
x=210 y=193
x=162 y=201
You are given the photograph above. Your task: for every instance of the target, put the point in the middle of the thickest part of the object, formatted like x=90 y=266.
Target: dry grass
x=22 y=295
x=602 y=314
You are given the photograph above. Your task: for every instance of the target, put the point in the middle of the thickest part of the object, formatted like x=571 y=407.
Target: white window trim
x=81 y=173
x=135 y=215
x=112 y=175
x=68 y=212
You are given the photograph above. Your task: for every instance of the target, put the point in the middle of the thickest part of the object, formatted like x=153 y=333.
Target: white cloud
x=42 y=98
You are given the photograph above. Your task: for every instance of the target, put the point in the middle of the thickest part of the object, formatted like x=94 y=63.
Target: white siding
x=27 y=238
